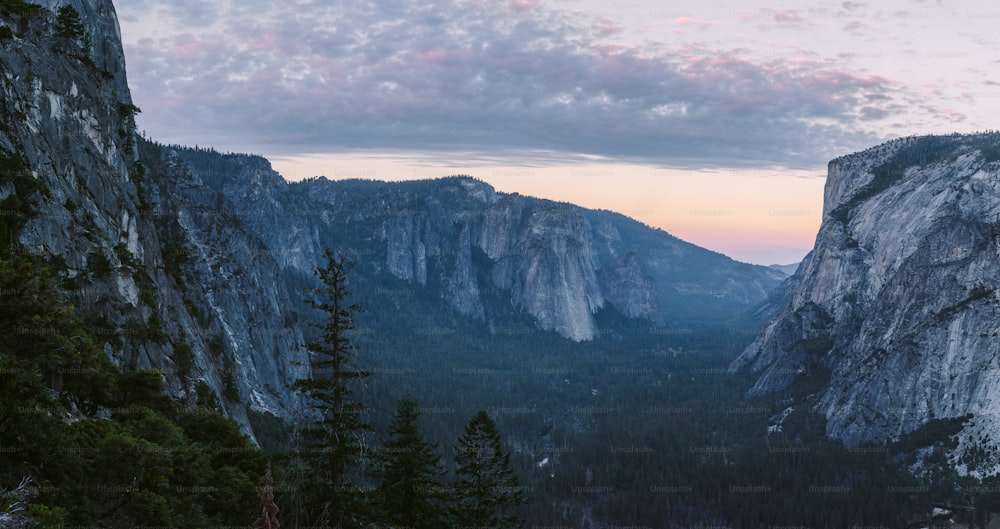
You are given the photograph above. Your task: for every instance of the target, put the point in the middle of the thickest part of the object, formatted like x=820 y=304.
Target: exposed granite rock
x=557 y=262
x=899 y=298
x=68 y=114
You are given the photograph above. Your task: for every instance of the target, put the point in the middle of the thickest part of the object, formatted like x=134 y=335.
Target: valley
x=159 y=320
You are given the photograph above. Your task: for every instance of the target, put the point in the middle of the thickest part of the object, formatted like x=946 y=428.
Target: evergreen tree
x=333 y=442
x=410 y=492
x=68 y=23
x=268 y=509
x=486 y=487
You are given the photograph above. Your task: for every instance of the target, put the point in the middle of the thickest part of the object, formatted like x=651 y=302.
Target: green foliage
x=175 y=257
x=68 y=23
x=128 y=111
x=334 y=449
x=217 y=346
x=932 y=432
x=6 y=33
x=410 y=491
x=126 y=257
x=183 y=358
x=18 y=207
x=487 y=486
x=272 y=432
x=144 y=463
x=206 y=398
x=230 y=390
x=48 y=517
x=19 y=8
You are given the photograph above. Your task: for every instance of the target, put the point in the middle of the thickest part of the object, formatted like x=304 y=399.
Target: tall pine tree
x=410 y=492
x=486 y=488
x=334 y=447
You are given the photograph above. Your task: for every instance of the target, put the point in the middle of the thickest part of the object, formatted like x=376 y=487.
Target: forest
x=453 y=426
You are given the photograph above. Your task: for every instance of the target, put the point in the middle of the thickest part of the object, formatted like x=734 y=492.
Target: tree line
x=85 y=443
x=340 y=483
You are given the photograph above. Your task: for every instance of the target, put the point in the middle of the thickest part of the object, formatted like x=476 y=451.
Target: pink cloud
x=688 y=21
x=525 y=5
x=436 y=55
x=185 y=47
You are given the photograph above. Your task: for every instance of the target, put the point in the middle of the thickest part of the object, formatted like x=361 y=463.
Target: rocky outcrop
x=899 y=298
x=165 y=280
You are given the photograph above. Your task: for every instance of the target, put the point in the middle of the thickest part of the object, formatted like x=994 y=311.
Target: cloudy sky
x=713 y=120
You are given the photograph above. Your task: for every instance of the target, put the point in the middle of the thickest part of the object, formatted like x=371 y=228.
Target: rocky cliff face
x=462 y=241
x=899 y=298
x=213 y=321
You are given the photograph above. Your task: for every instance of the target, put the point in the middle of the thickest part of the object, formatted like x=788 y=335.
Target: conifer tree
x=410 y=492
x=486 y=487
x=268 y=509
x=333 y=443
x=68 y=23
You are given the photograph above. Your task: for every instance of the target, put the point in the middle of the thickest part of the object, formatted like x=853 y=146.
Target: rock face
x=192 y=262
x=221 y=322
x=460 y=240
x=899 y=296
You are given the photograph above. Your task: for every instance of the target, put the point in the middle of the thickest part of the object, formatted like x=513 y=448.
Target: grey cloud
x=489 y=78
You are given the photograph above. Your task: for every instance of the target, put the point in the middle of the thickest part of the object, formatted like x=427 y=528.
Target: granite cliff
x=899 y=298
x=68 y=116
x=460 y=240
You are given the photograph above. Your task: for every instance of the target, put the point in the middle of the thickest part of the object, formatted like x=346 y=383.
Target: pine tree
x=68 y=23
x=410 y=492
x=268 y=509
x=486 y=487
x=334 y=441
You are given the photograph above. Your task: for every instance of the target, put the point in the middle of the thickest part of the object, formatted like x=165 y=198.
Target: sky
x=713 y=120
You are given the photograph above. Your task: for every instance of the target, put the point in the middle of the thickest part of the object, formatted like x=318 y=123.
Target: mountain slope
x=899 y=298
x=559 y=263
x=68 y=116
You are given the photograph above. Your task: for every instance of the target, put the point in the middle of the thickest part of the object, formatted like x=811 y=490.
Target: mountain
x=194 y=263
x=488 y=255
x=897 y=303
x=787 y=269
x=69 y=118
x=557 y=262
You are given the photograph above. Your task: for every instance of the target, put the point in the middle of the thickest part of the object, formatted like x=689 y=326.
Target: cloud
x=856 y=28
x=684 y=22
x=785 y=18
x=484 y=76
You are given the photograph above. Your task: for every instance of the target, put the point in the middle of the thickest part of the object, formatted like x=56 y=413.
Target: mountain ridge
x=498 y=222
x=192 y=262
